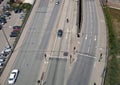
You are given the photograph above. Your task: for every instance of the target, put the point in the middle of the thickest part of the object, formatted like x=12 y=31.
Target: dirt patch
x=118 y=57
x=112 y=4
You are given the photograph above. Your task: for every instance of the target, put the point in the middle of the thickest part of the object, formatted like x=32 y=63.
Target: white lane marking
x=86 y=55
x=78 y=42
x=95 y=38
x=91 y=33
x=67 y=33
x=94 y=64
x=54 y=45
x=88 y=49
x=86 y=37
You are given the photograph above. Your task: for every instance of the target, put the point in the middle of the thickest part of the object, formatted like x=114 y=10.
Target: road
x=35 y=45
x=82 y=69
x=57 y=63
x=56 y=71
x=29 y=58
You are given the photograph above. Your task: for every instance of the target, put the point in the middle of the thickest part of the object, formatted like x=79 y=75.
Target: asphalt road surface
x=33 y=48
x=56 y=71
x=57 y=62
x=82 y=70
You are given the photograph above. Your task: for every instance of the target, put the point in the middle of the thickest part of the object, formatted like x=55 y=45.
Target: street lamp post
x=1 y=28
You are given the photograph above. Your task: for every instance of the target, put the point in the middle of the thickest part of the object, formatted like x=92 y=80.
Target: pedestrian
x=94 y=83
x=67 y=20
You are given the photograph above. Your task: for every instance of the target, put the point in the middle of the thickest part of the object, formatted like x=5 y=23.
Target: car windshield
x=12 y=76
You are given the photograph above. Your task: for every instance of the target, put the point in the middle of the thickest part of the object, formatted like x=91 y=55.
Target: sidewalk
x=97 y=77
x=11 y=61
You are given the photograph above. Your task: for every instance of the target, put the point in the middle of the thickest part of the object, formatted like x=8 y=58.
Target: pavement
x=98 y=73
x=55 y=67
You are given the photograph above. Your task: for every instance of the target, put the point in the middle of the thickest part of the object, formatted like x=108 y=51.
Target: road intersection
x=45 y=58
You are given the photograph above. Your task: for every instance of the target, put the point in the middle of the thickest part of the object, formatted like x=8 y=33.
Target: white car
x=1 y=65
x=7 y=49
x=13 y=76
x=2 y=60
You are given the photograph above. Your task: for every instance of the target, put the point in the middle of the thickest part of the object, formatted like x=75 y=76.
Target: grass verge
x=113 y=68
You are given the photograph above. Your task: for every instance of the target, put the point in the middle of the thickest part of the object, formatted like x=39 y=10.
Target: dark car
x=13 y=34
x=16 y=27
x=60 y=33
x=7 y=14
x=3 y=20
x=1 y=1
x=16 y=30
x=17 y=10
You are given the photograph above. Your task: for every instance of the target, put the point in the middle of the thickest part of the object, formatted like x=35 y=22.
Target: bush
x=26 y=6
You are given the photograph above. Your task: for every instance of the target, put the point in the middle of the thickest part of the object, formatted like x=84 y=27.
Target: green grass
x=113 y=68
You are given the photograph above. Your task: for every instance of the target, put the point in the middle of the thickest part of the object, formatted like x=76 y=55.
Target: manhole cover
x=65 y=53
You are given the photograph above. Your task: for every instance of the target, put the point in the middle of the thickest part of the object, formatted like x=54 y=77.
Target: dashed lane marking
x=86 y=37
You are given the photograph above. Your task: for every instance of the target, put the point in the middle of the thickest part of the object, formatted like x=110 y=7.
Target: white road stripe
x=88 y=49
x=67 y=34
x=87 y=55
x=95 y=38
x=86 y=37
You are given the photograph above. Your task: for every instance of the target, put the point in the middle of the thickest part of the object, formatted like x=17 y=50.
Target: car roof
x=60 y=30
x=1 y=59
x=1 y=64
x=12 y=75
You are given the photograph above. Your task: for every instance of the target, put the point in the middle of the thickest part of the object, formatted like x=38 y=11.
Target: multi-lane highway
x=82 y=69
x=42 y=31
x=29 y=58
x=57 y=72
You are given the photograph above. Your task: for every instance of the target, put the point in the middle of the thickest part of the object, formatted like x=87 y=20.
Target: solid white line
x=88 y=49
x=94 y=64
x=91 y=33
x=86 y=37
x=67 y=33
x=54 y=45
x=87 y=55
x=95 y=38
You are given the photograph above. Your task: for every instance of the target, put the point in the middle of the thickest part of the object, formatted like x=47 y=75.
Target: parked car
x=2 y=60
x=17 y=10
x=1 y=65
x=3 y=20
x=13 y=76
x=60 y=33
x=6 y=51
x=7 y=14
x=16 y=30
x=3 y=56
x=14 y=34
x=16 y=27
x=22 y=16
